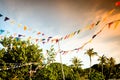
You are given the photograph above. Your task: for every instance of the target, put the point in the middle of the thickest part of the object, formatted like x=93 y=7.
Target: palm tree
x=76 y=62
x=111 y=63
x=102 y=60
x=90 y=53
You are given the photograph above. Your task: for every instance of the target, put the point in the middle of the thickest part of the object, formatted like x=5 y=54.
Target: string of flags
x=43 y=40
x=65 y=52
x=91 y=26
x=116 y=22
x=16 y=65
x=25 y=28
x=47 y=38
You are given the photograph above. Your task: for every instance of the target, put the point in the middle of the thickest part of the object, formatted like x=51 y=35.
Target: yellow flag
x=12 y=22
x=87 y=27
x=25 y=27
x=109 y=13
x=29 y=37
x=116 y=24
x=19 y=25
x=71 y=35
x=90 y=41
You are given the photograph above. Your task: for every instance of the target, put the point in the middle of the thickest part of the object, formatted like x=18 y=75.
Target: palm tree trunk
x=102 y=69
x=61 y=62
x=90 y=65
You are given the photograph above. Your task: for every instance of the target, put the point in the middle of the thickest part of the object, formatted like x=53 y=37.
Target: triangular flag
x=19 y=25
x=65 y=52
x=94 y=36
x=75 y=32
x=71 y=35
x=15 y=34
x=91 y=26
x=25 y=27
x=29 y=37
x=57 y=40
x=66 y=36
x=43 y=39
x=43 y=42
x=109 y=24
x=78 y=31
x=43 y=34
x=38 y=33
x=37 y=40
x=117 y=3
x=17 y=39
x=12 y=22
x=116 y=24
x=6 y=18
x=90 y=41
x=1 y=31
x=97 y=23
x=1 y=15
x=109 y=13
x=61 y=38
x=48 y=39
x=20 y=35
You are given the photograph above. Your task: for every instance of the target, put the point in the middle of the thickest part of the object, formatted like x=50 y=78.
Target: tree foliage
x=53 y=72
x=51 y=55
x=96 y=76
x=15 y=54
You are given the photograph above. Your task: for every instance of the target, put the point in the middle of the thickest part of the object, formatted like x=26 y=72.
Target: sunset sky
x=60 y=17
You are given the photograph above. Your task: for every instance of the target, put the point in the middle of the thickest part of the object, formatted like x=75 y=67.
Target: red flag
x=92 y=26
x=109 y=24
x=37 y=40
x=38 y=33
x=66 y=36
x=117 y=3
x=65 y=52
x=57 y=40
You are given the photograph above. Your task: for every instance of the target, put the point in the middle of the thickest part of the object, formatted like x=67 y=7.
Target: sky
x=61 y=17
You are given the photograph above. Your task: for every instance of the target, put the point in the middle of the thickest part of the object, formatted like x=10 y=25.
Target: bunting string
x=25 y=28
x=17 y=65
x=116 y=22
x=47 y=39
x=50 y=38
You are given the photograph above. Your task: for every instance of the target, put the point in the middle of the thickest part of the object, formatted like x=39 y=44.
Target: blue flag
x=1 y=15
x=1 y=31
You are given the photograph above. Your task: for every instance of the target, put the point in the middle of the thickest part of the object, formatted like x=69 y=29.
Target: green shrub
x=96 y=76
